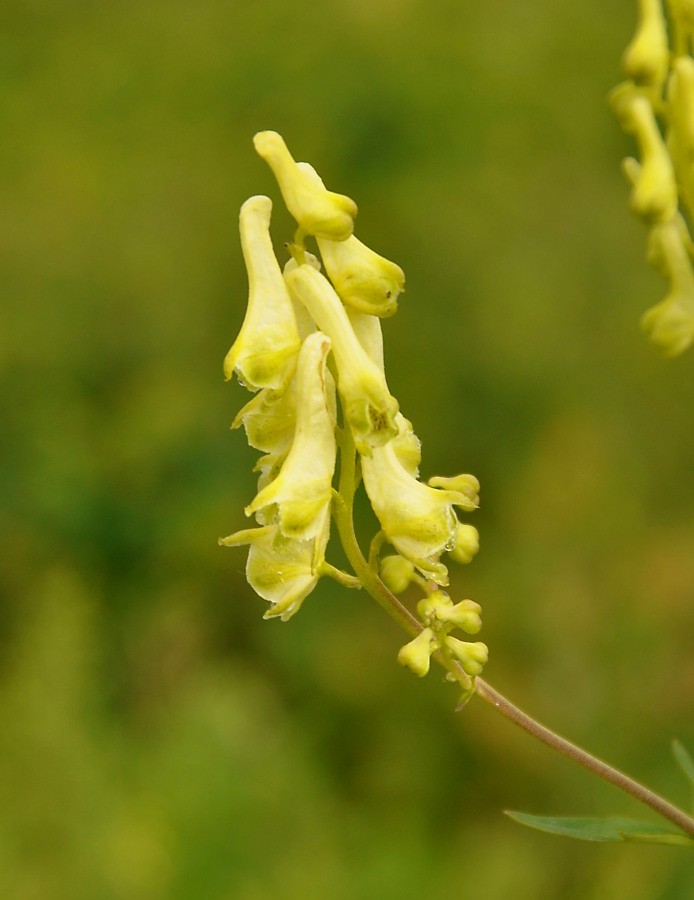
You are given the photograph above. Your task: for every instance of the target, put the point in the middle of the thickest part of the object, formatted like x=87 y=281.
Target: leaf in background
x=684 y=761
x=611 y=829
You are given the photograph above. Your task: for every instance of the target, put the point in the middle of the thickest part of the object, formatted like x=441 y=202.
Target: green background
x=158 y=739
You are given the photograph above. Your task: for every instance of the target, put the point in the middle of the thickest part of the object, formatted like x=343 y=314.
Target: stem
x=343 y=515
x=344 y=519
x=585 y=759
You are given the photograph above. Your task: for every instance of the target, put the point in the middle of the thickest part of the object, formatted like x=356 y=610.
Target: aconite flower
x=264 y=353
x=670 y=324
x=318 y=211
x=363 y=279
x=418 y=520
x=647 y=56
x=654 y=188
x=280 y=569
x=301 y=491
x=368 y=406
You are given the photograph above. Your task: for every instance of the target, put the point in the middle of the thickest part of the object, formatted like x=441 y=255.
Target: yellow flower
x=269 y=419
x=647 y=56
x=318 y=211
x=281 y=570
x=264 y=353
x=368 y=406
x=654 y=189
x=301 y=492
x=362 y=278
x=670 y=324
x=418 y=520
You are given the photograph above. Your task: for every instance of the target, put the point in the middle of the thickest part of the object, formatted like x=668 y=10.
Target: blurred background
x=158 y=739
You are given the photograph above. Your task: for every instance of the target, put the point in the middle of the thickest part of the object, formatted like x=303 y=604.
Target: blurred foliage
x=159 y=739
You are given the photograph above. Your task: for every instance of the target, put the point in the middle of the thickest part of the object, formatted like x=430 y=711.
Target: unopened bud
x=467 y=485
x=464 y=615
x=416 y=656
x=472 y=657
x=467 y=544
x=396 y=573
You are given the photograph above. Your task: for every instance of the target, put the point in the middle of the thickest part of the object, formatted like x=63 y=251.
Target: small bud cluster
x=440 y=615
x=656 y=105
x=297 y=318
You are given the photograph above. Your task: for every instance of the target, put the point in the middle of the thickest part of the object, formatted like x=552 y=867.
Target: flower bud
x=467 y=544
x=428 y=607
x=264 y=353
x=647 y=56
x=396 y=573
x=416 y=656
x=318 y=211
x=472 y=657
x=467 y=485
x=464 y=615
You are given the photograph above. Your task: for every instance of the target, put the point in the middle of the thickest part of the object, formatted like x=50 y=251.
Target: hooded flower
x=368 y=406
x=654 y=189
x=301 y=491
x=646 y=58
x=318 y=211
x=264 y=353
x=670 y=324
x=363 y=279
x=281 y=570
x=418 y=520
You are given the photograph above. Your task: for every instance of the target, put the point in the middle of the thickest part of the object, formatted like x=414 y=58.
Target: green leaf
x=613 y=828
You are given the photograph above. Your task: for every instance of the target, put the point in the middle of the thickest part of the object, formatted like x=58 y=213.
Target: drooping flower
x=318 y=211
x=301 y=491
x=670 y=324
x=264 y=353
x=368 y=405
x=280 y=569
x=362 y=278
x=418 y=520
x=647 y=56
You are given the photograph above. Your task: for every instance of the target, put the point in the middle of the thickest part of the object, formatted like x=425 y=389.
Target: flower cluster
x=296 y=321
x=660 y=89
